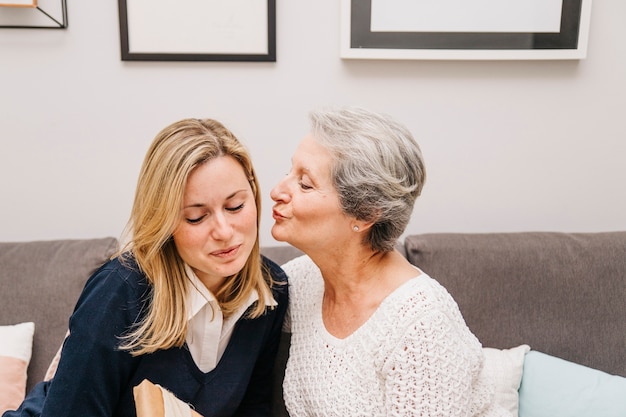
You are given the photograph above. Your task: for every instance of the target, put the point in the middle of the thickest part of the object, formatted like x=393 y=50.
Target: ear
x=362 y=226
x=366 y=225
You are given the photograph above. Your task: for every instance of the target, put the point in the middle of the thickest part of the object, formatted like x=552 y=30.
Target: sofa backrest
x=281 y=254
x=563 y=294
x=40 y=282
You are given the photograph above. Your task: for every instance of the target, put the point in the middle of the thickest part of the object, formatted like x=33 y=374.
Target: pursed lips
x=276 y=215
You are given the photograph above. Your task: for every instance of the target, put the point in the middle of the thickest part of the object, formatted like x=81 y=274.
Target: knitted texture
x=414 y=356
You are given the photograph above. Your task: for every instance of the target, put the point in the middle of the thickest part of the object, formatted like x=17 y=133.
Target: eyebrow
x=302 y=167
x=196 y=205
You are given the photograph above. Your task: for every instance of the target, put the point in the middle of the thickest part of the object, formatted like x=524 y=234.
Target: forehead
x=217 y=176
x=311 y=155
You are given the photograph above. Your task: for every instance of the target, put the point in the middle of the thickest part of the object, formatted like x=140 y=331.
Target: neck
x=362 y=275
x=350 y=275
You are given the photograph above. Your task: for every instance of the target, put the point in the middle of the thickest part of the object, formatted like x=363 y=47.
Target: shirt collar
x=200 y=296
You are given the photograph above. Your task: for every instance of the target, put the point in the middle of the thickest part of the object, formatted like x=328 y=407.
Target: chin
x=277 y=235
x=234 y=267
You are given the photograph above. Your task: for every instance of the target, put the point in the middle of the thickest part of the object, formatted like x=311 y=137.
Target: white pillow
x=505 y=367
x=16 y=344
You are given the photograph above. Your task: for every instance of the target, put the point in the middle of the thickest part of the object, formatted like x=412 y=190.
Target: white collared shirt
x=209 y=333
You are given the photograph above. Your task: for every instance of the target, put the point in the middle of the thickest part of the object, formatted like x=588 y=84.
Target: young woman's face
x=218 y=225
x=307 y=211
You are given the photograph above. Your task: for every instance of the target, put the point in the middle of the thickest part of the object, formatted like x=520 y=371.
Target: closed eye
x=196 y=220
x=235 y=209
x=304 y=186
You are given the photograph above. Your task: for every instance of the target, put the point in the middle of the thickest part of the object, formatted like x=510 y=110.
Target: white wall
x=509 y=146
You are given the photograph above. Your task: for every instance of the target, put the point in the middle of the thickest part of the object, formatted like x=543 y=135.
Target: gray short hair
x=377 y=169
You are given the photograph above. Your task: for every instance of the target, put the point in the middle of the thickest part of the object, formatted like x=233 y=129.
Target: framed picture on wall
x=18 y=3
x=33 y=14
x=464 y=29
x=198 y=30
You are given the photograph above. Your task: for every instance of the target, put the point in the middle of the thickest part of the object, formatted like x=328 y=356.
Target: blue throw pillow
x=554 y=387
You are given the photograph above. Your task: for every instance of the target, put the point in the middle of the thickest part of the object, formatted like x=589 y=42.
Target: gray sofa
x=561 y=293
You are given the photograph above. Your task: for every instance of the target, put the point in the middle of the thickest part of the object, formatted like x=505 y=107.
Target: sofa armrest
x=41 y=282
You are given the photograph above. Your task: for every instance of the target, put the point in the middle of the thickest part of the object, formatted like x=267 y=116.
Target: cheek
x=311 y=211
x=185 y=238
x=249 y=222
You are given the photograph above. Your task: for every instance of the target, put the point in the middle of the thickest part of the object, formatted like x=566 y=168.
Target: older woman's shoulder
x=304 y=276
x=422 y=295
x=300 y=266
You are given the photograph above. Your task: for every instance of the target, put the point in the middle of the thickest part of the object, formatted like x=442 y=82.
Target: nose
x=280 y=192
x=222 y=229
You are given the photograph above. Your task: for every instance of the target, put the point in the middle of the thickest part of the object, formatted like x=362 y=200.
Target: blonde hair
x=172 y=156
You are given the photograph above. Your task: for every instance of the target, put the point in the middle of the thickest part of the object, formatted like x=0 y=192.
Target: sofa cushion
x=555 y=387
x=561 y=293
x=41 y=282
x=16 y=343
x=505 y=367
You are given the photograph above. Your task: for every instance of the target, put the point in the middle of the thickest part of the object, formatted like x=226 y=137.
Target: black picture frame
x=33 y=14
x=359 y=41
x=258 y=39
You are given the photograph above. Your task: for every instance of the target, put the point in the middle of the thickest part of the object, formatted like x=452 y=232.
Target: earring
x=355 y=228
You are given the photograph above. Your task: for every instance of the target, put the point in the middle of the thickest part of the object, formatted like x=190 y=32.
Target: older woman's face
x=307 y=212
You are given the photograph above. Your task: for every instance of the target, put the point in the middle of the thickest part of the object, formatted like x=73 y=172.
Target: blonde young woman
x=189 y=303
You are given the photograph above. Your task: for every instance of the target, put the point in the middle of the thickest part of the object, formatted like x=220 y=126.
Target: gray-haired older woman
x=372 y=335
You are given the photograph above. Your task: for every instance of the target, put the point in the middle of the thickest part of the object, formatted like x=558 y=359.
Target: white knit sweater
x=415 y=356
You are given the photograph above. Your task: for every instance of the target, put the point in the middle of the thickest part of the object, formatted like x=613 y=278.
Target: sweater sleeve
x=431 y=370
x=92 y=371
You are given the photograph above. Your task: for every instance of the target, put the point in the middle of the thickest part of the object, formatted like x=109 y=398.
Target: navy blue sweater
x=94 y=378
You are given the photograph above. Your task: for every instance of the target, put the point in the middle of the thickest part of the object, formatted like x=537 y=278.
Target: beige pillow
x=52 y=368
x=505 y=367
x=16 y=344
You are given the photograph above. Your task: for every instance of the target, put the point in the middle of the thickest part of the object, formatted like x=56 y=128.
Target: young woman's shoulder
x=113 y=298
x=277 y=273
x=279 y=278
x=120 y=274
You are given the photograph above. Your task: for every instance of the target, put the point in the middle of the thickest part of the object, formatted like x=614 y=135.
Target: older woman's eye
x=305 y=186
